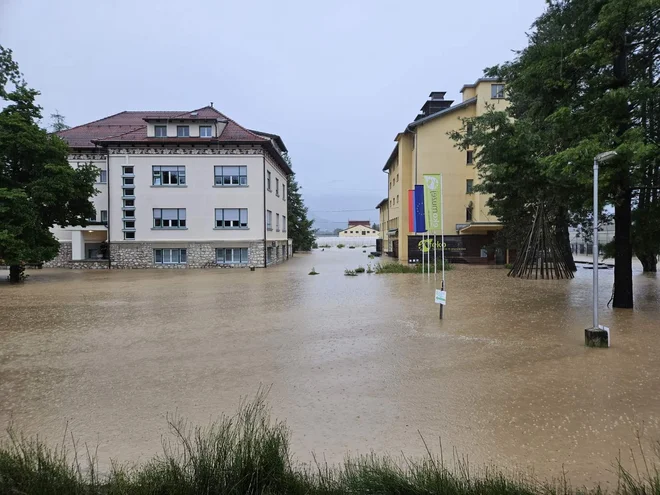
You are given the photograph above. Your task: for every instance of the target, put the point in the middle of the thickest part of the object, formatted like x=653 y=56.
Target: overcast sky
x=337 y=80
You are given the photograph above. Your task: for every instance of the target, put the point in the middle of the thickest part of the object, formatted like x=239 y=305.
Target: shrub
x=313 y=272
x=351 y=247
x=369 y=269
x=340 y=246
x=315 y=245
x=360 y=269
x=401 y=268
x=350 y=273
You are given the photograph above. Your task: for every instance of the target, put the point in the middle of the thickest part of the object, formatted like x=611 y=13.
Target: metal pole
x=595 y=245
x=442 y=241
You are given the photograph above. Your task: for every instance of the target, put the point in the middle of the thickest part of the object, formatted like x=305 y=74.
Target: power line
x=339 y=211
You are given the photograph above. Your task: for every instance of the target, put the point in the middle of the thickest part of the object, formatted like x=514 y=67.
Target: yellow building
x=424 y=147
x=383 y=238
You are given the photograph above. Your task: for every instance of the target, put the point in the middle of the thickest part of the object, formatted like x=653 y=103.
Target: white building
x=179 y=189
x=359 y=230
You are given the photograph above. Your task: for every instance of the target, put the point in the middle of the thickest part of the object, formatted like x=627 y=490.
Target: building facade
x=359 y=230
x=424 y=147
x=179 y=190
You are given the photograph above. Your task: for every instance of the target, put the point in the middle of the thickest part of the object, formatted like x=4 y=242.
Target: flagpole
x=442 y=241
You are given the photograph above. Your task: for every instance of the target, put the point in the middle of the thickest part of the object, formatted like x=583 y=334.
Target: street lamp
x=597 y=336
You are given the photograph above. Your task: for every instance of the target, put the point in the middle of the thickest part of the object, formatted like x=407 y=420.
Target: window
x=168 y=176
x=129 y=224
x=160 y=130
x=231 y=256
x=129 y=236
x=231 y=176
x=277 y=222
x=129 y=191
x=205 y=131
x=269 y=255
x=397 y=199
x=283 y=223
x=277 y=187
x=231 y=218
x=269 y=220
x=92 y=219
x=128 y=170
x=469 y=157
x=469 y=186
x=182 y=131
x=169 y=218
x=397 y=177
x=104 y=216
x=468 y=214
x=497 y=91
x=103 y=176
x=268 y=180
x=129 y=181
x=129 y=203
x=129 y=213
x=170 y=256
x=284 y=192
x=364 y=232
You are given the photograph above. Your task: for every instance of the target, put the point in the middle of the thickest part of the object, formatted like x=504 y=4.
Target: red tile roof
x=131 y=127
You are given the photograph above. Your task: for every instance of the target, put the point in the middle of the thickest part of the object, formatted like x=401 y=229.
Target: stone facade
x=199 y=255
x=129 y=255
x=63 y=258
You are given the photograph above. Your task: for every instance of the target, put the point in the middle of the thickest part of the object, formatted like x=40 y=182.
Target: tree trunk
x=564 y=242
x=649 y=262
x=15 y=272
x=623 y=283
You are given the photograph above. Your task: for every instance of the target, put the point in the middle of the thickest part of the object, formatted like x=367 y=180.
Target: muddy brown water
x=356 y=363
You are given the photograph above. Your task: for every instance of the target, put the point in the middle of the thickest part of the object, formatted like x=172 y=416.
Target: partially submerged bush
x=350 y=273
x=340 y=246
x=360 y=269
x=313 y=272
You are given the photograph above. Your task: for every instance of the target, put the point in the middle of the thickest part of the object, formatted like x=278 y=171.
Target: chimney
x=436 y=103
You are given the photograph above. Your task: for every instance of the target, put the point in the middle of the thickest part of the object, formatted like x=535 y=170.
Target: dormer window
x=160 y=130
x=205 y=131
x=182 y=131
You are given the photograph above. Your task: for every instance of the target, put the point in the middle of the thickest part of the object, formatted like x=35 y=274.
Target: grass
x=369 y=269
x=360 y=269
x=313 y=272
x=401 y=268
x=248 y=453
x=350 y=273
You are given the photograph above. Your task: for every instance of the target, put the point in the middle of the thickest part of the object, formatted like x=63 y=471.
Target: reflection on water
x=355 y=363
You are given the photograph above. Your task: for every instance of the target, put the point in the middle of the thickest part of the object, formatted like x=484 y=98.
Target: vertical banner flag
x=432 y=201
x=420 y=223
x=411 y=210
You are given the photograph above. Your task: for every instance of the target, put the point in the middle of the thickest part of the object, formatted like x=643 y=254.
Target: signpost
x=433 y=199
x=440 y=297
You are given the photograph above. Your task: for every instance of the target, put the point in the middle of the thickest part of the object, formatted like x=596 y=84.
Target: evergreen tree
x=587 y=82
x=301 y=231
x=59 y=123
x=38 y=187
x=300 y=228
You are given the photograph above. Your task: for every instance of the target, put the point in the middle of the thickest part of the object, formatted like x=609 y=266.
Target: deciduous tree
x=38 y=187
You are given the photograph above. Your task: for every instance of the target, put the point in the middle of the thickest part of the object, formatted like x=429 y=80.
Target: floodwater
x=356 y=363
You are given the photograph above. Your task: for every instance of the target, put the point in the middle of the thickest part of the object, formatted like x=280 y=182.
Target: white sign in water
x=440 y=297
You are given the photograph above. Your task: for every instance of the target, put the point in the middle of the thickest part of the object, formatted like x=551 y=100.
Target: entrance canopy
x=480 y=228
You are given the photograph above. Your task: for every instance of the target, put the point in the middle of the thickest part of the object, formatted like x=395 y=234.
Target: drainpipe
x=107 y=185
x=265 y=242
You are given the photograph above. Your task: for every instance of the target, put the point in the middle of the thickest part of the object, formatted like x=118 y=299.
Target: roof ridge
x=137 y=128
x=92 y=122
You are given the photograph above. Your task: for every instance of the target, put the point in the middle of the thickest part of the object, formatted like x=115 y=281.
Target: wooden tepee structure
x=540 y=256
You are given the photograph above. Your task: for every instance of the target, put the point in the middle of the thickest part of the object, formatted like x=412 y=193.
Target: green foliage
x=340 y=246
x=586 y=83
x=369 y=269
x=315 y=245
x=248 y=453
x=59 y=123
x=313 y=272
x=350 y=273
x=38 y=187
x=301 y=230
x=360 y=269
x=396 y=267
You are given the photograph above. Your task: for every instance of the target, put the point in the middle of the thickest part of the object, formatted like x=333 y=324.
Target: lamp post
x=596 y=336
